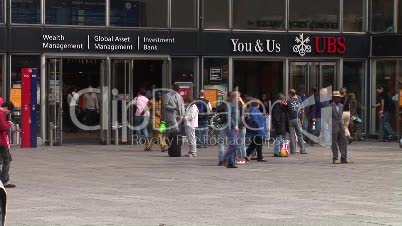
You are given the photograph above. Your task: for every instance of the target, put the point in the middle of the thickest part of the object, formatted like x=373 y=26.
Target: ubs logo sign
x=302 y=47
x=323 y=45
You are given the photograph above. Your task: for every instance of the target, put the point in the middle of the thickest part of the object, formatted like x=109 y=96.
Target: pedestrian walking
x=256 y=132
x=232 y=129
x=339 y=141
x=222 y=114
x=173 y=111
x=296 y=116
x=355 y=125
x=155 y=120
x=5 y=156
x=241 y=145
x=204 y=108
x=191 y=123
x=280 y=122
x=346 y=113
x=91 y=107
x=141 y=115
x=385 y=103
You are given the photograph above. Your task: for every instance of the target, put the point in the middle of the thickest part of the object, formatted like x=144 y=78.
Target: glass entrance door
x=307 y=75
x=122 y=94
x=55 y=102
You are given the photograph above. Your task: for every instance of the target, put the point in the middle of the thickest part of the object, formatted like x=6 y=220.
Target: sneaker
x=303 y=153
x=194 y=154
x=297 y=151
x=189 y=155
x=247 y=158
x=147 y=149
x=261 y=160
x=241 y=162
x=7 y=185
x=221 y=163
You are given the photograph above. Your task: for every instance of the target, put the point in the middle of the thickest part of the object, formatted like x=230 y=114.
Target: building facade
x=256 y=46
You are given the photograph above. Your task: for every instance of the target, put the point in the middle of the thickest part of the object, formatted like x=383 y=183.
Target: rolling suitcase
x=174 y=149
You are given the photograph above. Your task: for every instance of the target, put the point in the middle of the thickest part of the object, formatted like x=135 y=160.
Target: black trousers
x=256 y=143
x=5 y=159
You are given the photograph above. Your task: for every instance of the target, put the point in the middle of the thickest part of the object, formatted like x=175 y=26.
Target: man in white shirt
x=191 y=122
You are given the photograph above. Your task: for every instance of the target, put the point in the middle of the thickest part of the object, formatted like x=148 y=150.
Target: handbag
x=284 y=152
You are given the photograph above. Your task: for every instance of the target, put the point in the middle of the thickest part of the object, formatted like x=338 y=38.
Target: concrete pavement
x=123 y=185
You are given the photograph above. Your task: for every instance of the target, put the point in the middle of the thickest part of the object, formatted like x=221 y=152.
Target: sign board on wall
x=215 y=74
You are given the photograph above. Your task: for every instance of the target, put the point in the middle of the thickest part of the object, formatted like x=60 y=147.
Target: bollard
x=116 y=127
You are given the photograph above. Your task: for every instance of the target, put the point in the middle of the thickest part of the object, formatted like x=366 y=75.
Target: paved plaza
x=123 y=185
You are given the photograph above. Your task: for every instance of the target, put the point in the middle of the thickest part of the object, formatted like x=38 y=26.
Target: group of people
x=244 y=125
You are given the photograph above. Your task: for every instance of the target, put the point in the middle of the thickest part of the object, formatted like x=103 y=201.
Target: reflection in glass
x=382 y=15
x=313 y=15
x=259 y=14
x=353 y=16
x=25 y=11
x=216 y=14
x=72 y=12
x=256 y=77
x=138 y=13
x=184 y=13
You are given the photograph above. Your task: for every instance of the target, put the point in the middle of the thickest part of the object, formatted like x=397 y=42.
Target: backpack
x=202 y=108
x=222 y=116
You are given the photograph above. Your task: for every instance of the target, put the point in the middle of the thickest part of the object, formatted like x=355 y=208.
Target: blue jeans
x=231 y=151
x=278 y=142
x=241 y=146
x=294 y=126
x=221 y=142
x=388 y=131
x=202 y=133
x=138 y=120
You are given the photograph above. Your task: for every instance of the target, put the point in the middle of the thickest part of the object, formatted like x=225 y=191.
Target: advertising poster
x=185 y=89
x=15 y=96
x=212 y=96
x=222 y=90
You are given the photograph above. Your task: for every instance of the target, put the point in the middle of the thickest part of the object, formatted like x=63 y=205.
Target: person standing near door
x=5 y=156
x=141 y=115
x=191 y=123
x=386 y=106
x=339 y=142
x=173 y=111
x=294 y=110
x=355 y=116
x=204 y=108
x=91 y=107
x=346 y=113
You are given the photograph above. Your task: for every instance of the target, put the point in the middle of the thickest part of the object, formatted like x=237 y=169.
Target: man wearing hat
x=339 y=141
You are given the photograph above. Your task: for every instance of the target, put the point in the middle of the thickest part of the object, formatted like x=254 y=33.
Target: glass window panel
x=313 y=15
x=353 y=15
x=216 y=14
x=354 y=81
x=254 y=78
x=259 y=14
x=220 y=66
x=184 y=13
x=400 y=16
x=139 y=13
x=1 y=76
x=1 y=11
x=387 y=75
x=76 y=12
x=382 y=15
x=25 y=11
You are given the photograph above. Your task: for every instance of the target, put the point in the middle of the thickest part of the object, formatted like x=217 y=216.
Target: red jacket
x=4 y=127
